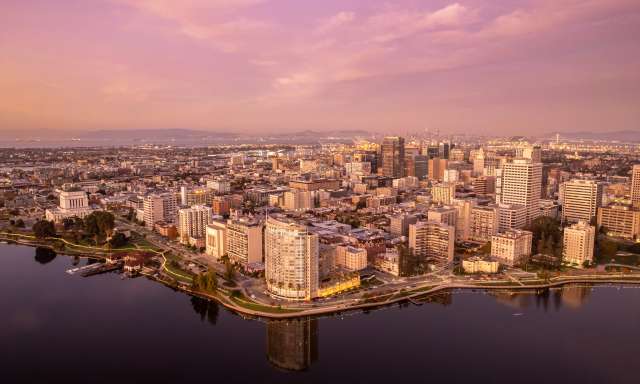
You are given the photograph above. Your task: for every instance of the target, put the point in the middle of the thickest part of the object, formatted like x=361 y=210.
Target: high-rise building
x=431 y=241
x=580 y=200
x=520 y=183
x=399 y=224
x=446 y=215
x=635 y=186
x=512 y=247
x=464 y=208
x=437 y=167
x=216 y=239
x=443 y=193
x=619 y=221
x=159 y=207
x=297 y=200
x=244 y=241
x=578 y=244
x=485 y=222
x=291 y=260
x=192 y=222
x=393 y=156
x=512 y=216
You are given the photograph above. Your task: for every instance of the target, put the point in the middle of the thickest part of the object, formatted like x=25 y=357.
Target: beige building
x=436 y=168
x=579 y=240
x=244 y=241
x=72 y=204
x=351 y=258
x=464 y=207
x=159 y=207
x=620 y=221
x=192 y=222
x=580 y=200
x=443 y=193
x=635 y=186
x=476 y=264
x=291 y=260
x=432 y=241
x=399 y=224
x=512 y=216
x=297 y=200
x=216 y=239
x=520 y=182
x=446 y=215
x=485 y=222
x=512 y=247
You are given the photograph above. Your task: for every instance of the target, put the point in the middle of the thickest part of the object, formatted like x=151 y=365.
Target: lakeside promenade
x=252 y=308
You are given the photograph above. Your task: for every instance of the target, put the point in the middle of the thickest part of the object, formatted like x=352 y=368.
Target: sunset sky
x=485 y=66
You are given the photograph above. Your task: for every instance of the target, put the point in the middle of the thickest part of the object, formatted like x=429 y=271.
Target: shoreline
x=407 y=296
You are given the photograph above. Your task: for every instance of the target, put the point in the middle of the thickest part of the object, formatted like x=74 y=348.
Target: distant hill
x=158 y=134
x=627 y=135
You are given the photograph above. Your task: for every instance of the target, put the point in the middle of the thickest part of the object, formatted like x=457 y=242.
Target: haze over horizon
x=479 y=66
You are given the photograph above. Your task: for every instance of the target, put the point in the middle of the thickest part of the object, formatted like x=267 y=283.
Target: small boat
x=518 y=314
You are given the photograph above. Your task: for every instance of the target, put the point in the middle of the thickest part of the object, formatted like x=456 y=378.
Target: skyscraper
x=580 y=200
x=192 y=222
x=432 y=241
x=393 y=156
x=635 y=186
x=291 y=260
x=520 y=183
x=578 y=244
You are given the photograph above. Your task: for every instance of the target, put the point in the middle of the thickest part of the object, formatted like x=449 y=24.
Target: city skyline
x=258 y=66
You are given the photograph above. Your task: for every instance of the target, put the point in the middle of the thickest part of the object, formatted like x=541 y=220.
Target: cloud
x=335 y=21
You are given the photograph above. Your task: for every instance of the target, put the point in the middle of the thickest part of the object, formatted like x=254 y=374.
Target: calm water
x=60 y=328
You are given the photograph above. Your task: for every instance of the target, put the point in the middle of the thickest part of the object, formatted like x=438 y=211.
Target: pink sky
x=483 y=66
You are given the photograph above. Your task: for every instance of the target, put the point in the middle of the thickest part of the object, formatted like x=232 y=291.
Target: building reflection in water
x=573 y=296
x=292 y=344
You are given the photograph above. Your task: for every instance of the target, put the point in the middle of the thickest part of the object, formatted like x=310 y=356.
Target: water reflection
x=573 y=296
x=44 y=255
x=292 y=344
x=206 y=309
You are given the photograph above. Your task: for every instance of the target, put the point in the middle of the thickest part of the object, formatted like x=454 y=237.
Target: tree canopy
x=44 y=228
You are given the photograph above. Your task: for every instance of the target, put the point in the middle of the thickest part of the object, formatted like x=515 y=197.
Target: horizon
x=478 y=67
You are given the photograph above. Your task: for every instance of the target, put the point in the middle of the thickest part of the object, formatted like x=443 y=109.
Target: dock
x=94 y=269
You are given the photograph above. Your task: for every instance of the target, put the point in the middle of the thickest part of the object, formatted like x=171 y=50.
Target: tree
x=118 y=240
x=206 y=281
x=99 y=224
x=229 y=272
x=546 y=229
x=20 y=223
x=607 y=249
x=43 y=229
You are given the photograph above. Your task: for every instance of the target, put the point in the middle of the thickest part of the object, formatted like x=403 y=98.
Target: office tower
x=393 y=156
x=484 y=185
x=635 y=186
x=244 y=241
x=221 y=205
x=431 y=241
x=512 y=247
x=192 y=222
x=370 y=157
x=399 y=224
x=520 y=183
x=437 y=167
x=532 y=153
x=297 y=200
x=416 y=165
x=195 y=196
x=512 y=216
x=291 y=260
x=578 y=244
x=485 y=222
x=443 y=150
x=443 y=193
x=484 y=163
x=159 y=207
x=216 y=239
x=620 y=221
x=292 y=344
x=580 y=200
x=456 y=154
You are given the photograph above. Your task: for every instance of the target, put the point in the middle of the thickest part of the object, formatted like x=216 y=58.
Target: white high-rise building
x=159 y=207
x=578 y=244
x=512 y=247
x=443 y=193
x=244 y=241
x=192 y=222
x=297 y=200
x=635 y=186
x=432 y=241
x=580 y=200
x=485 y=222
x=463 y=219
x=512 y=216
x=291 y=260
x=520 y=183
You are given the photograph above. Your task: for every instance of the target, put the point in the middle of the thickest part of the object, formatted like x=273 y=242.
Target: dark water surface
x=55 y=327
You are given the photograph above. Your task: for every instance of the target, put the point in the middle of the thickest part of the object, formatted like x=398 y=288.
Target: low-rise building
x=512 y=247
